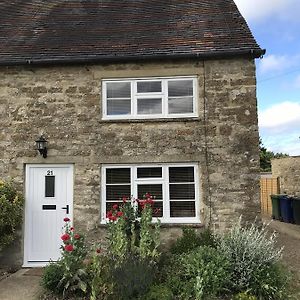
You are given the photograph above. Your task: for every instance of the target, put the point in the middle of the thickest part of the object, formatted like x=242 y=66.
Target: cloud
x=280 y=116
x=277 y=64
x=256 y=10
x=280 y=127
x=272 y=63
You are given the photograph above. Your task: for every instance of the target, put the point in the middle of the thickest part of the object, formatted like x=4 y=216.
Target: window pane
x=177 y=88
x=182 y=191
x=121 y=175
x=149 y=106
x=118 y=90
x=149 y=86
x=181 y=174
x=154 y=190
x=119 y=107
x=149 y=172
x=182 y=105
x=117 y=192
x=157 y=209
x=49 y=186
x=182 y=209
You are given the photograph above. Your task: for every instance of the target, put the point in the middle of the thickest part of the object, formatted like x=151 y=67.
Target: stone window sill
x=163 y=120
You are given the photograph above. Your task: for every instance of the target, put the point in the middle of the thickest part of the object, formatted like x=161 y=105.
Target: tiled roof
x=55 y=31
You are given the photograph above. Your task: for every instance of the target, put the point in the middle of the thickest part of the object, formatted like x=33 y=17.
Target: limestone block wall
x=64 y=104
x=288 y=171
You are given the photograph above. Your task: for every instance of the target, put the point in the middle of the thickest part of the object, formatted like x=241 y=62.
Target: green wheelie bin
x=276 y=212
x=296 y=209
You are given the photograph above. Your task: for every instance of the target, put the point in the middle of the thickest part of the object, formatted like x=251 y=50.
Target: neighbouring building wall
x=64 y=104
x=288 y=171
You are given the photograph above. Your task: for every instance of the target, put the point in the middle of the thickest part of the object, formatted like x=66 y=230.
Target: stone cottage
x=132 y=97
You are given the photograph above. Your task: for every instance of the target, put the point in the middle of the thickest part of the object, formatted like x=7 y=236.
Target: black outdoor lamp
x=41 y=145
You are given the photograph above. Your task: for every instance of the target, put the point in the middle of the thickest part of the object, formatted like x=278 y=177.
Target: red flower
x=98 y=250
x=109 y=214
x=115 y=206
x=66 y=219
x=72 y=228
x=119 y=214
x=124 y=199
x=76 y=236
x=113 y=218
x=69 y=248
x=65 y=237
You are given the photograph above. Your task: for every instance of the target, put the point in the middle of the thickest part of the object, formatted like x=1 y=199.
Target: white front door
x=48 y=200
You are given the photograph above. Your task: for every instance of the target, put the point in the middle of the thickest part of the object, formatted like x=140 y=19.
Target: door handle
x=66 y=208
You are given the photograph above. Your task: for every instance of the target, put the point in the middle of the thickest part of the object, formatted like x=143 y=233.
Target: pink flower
x=119 y=214
x=109 y=214
x=69 y=248
x=76 y=236
x=115 y=206
x=72 y=228
x=124 y=199
x=66 y=219
x=65 y=237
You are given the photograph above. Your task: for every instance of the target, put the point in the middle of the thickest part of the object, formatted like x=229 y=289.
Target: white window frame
x=165 y=184
x=163 y=94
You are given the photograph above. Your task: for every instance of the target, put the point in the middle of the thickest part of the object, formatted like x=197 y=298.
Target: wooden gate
x=268 y=187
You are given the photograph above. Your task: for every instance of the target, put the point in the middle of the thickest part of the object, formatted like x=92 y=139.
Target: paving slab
x=22 y=285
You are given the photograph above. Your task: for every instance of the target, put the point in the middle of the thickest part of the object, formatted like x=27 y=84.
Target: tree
x=265 y=157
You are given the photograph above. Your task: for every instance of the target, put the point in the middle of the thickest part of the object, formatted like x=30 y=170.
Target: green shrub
x=244 y=296
x=52 y=275
x=159 y=292
x=11 y=211
x=270 y=282
x=198 y=274
x=249 y=250
x=133 y=278
x=191 y=240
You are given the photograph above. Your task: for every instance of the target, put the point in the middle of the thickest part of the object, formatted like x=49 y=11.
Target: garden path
x=22 y=285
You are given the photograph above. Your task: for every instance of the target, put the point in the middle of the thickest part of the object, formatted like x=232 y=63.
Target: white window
x=150 y=98
x=175 y=188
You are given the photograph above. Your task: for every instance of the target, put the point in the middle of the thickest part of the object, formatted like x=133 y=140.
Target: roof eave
x=251 y=53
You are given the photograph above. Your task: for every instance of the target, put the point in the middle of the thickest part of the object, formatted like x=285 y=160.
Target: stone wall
x=64 y=104
x=288 y=171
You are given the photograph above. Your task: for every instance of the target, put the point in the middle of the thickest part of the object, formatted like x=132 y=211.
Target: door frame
x=26 y=263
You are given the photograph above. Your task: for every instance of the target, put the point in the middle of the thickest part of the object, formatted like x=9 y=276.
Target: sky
x=275 y=25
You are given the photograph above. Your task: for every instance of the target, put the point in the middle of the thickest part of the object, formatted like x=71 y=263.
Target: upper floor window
x=150 y=98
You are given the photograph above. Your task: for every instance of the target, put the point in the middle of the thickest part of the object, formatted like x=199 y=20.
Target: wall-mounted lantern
x=41 y=145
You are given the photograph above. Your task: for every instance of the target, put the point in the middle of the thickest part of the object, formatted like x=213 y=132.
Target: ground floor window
x=174 y=186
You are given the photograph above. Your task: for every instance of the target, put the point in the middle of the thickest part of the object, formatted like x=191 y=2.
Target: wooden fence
x=268 y=187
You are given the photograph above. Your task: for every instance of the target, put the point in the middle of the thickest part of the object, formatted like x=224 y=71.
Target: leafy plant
x=11 y=211
x=248 y=249
x=101 y=283
x=73 y=252
x=159 y=292
x=191 y=240
x=244 y=296
x=199 y=273
x=52 y=275
x=68 y=275
x=142 y=239
x=133 y=277
x=270 y=282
